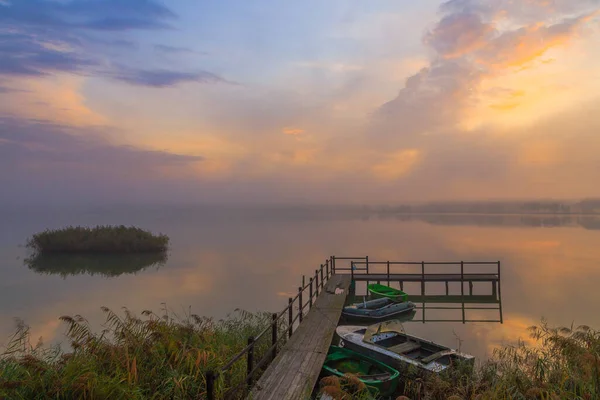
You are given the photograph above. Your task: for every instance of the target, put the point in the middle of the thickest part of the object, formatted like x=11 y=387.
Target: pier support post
x=300 y=306
x=210 y=385
x=290 y=316
x=447 y=288
x=250 y=361
x=422 y=278
x=274 y=336
x=322 y=280
x=310 y=293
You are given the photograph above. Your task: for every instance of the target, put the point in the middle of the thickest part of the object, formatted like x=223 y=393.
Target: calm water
x=221 y=260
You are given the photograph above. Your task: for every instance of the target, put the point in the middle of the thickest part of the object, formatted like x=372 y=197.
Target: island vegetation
x=166 y=357
x=98 y=240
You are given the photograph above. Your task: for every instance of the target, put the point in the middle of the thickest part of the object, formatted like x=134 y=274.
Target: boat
x=378 y=377
x=378 y=290
x=377 y=310
x=387 y=342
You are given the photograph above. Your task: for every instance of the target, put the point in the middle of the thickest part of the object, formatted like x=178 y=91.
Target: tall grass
x=560 y=364
x=147 y=357
x=101 y=239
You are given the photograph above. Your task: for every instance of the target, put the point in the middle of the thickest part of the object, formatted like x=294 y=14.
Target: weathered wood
x=294 y=372
x=427 y=277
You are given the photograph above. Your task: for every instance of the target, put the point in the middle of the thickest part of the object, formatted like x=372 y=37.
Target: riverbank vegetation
x=166 y=357
x=99 y=240
x=148 y=357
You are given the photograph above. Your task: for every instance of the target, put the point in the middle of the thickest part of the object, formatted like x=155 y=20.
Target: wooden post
x=310 y=293
x=290 y=316
x=274 y=335
x=303 y=281
x=471 y=288
x=462 y=288
x=332 y=265
x=352 y=271
x=401 y=285
x=367 y=264
x=500 y=294
x=388 y=273
x=300 y=300
x=322 y=280
x=317 y=281
x=250 y=360
x=327 y=269
x=210 y=385
x=446 y=288
x=422 y=278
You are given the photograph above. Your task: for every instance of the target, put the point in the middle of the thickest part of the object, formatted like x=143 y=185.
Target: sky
x=264 y=101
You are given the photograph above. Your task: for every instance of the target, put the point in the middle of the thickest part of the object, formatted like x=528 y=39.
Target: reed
x=100 y=239
x=560 y=363
x=147 y=357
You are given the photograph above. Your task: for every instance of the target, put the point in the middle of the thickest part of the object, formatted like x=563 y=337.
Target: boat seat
x=405 y=347
x=435 y=356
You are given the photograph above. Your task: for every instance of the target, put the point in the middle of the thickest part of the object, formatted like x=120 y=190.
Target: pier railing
x=275 y=335
x=256 y=355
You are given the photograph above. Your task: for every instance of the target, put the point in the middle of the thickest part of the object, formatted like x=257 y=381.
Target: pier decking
x=300 y=335
x=294 y=372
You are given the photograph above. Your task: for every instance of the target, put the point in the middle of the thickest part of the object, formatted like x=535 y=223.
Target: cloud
x=166 y=49
x=24 y=54
x=160 y=78
x=293 y=131
x=44 y=37
x=88 y=14
x=59 y=161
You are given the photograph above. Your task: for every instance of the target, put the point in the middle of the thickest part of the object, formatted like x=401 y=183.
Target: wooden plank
x=294 y=372
x=427 y=277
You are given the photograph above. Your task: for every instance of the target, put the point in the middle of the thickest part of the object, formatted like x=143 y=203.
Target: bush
x=101 y=239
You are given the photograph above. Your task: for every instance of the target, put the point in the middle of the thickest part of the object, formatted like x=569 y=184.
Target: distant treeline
x=589 y=206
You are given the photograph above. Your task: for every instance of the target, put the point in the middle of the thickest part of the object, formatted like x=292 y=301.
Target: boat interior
x=412 y=347
x=362 y=368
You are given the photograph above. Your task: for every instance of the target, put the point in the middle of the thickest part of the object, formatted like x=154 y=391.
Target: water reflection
x=108 y=265
x=219 y=262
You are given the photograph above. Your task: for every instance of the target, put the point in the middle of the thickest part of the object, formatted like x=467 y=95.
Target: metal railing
x=280 y=331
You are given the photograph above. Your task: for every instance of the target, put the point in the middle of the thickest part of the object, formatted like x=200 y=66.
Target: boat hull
x=351 y=337
x=377 y=310
x=378 y=377
x=380 y=291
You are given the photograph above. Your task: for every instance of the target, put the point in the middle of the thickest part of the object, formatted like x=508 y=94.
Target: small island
x=98 y=240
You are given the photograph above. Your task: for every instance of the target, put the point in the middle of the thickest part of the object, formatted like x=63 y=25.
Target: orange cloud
x=397 y=165
x=293 y=131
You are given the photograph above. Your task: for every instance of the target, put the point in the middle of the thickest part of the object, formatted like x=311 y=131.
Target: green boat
x=378 y=377
x=378 y=290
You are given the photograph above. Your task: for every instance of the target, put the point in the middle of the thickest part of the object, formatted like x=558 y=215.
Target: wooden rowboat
x=387 y=342
x=379 y=378
x=385 y=291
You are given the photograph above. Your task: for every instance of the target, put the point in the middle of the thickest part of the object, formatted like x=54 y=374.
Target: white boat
x=388 y=343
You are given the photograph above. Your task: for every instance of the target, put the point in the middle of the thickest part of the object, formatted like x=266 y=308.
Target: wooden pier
x=290 y=367
x=294 y=372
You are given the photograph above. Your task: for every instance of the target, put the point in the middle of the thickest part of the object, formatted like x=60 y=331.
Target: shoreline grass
x=98 y=240
x=148 y=357
x=166 y=357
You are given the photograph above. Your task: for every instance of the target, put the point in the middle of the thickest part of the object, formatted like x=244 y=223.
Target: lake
x=222 y=259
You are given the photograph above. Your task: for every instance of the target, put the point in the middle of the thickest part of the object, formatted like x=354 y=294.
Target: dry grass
x=148 y=357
